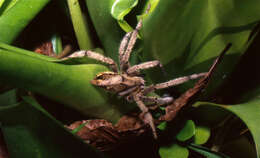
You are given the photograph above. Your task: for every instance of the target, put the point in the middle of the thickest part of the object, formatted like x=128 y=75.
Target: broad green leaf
x=5 y=5
x=248 y=112
x=202 y=134
x=17 y=18
x=1 y=3
x=32 y=132
x=174 y=151
x=8 y=98
x=243 y=145
x=120 y=9
x=208 y=116
x=21 y=51
x=107 y=28
x=206 y=152
x=67 y=84
x=187 y=132
x=186 y=36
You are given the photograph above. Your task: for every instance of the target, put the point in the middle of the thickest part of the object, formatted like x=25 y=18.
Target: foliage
x=186 y=36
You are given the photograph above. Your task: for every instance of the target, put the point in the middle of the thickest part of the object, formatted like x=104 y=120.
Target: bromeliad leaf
x=186 y=35
x=10 y=30
x=120 y=9
x=38 y=129
x=248 y=112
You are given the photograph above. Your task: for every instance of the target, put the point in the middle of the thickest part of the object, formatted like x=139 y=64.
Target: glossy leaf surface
x=192 y=34
x=173 y=150
x=71 y=86
x=187 y=131
x=202 y=134
x=248 y=112
x=31 y=132
x=17 y=17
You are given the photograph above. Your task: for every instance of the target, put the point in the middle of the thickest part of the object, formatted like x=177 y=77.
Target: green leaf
x=21 y=51
x=162 y=126
x=120 y=9
x=8 y=98
x=1 y=3
x=202 y=134
x=248 y=112
x=67 y=84
x=5 y=5
x=108 y=30
x=187 y=132
x=31 y=132
x=17 y=18
x=173 y=150
x=206 y=152
x=243 y=145
x=186 y=36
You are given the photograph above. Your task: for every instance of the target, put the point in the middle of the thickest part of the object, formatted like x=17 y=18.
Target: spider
x=126 y=80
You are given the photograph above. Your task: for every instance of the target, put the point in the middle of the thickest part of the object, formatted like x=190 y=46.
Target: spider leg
x=123 y=46
x=124 y=63
x=96 y=56
x=158 y=101
x=173 y=82
x=147 y=116
x=146 y=65
x=126 y=50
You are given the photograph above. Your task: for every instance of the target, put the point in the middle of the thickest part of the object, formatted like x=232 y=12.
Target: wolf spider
x=126 y=80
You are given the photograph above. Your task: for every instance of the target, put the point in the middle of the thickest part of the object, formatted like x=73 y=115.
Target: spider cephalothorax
x=117 y=83
x=126 y=81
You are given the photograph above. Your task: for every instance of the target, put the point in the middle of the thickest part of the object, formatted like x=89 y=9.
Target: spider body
x=128 y=83
x=117 y=83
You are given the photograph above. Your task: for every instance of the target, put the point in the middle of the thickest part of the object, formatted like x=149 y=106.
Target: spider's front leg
x=127 y=46
x=146 y=115
x=96 y=56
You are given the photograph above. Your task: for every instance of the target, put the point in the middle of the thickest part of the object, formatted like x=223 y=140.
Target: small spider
x=126 y=80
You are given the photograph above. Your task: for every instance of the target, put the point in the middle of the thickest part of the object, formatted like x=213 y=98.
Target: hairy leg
x=178 y=81
x=157 y=100
x=124 y=57
x=146 y=65
x=147 y=116
x=124 y=63
x=123 y=46
x=96 y=56
x=173 y=82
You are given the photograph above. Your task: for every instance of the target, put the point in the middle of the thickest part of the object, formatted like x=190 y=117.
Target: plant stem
x=80 y=25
